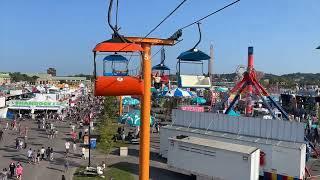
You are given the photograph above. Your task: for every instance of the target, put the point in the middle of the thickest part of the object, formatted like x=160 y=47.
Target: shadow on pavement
x=134 y=152
x=56 y=169
x=155 y=173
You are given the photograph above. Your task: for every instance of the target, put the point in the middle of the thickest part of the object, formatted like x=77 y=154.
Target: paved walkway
x=37 y=138
x=53 y=170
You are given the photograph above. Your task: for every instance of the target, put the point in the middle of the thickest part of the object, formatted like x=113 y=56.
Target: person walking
x=7 y=126
x=83 y=150
x=38 y=156
x=51 y=154
x=17 y=143
x=48 y=153
x=29 y=155
x=80 y=135
x=74 y=136
x=39 y=124
x=19 y=171
x=67 y=145
x=14 y=125
x=74 y=147
x=20 y=144
x=12 y=168
x=66 y=165
x=5 y=174
x=25 y=143
x=34 y=156
x=63 y=177
x=73 y=127
x=42 y=151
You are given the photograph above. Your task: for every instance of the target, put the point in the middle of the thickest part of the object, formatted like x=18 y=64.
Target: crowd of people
x=77 y=116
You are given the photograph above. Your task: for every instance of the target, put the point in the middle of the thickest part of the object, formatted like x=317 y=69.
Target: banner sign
x=37 y=103
x=192 y=108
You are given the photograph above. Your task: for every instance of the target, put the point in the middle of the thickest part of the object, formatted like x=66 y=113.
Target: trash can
x=93 y=143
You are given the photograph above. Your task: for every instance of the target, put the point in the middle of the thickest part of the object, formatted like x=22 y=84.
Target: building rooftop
x=40 y=75
x=259 y=140
x=69 y=78
x=217 y=144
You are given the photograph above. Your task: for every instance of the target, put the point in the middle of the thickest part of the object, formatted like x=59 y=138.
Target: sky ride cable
x=197 y=21
x=163 y=20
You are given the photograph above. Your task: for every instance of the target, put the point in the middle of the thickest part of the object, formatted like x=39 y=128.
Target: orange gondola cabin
x=115 y=79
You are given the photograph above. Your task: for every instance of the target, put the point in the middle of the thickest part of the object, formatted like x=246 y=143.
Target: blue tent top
x=115 y=57
x=160 y=67
x=199 y=100
x=221 y=89
x=193 y=55
x=233 y=113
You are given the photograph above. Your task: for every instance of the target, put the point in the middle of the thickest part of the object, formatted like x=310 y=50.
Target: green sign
x=37 y=103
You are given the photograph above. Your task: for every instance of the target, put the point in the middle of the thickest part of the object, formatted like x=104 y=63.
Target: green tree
x=107 y=131
x=107 y=126
x=111 y=107
x=17 y=77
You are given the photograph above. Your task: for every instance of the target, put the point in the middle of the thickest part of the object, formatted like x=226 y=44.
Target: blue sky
x=37 y=34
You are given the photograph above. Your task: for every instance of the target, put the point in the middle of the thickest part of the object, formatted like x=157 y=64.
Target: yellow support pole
x=145 y=115
x=120 y=106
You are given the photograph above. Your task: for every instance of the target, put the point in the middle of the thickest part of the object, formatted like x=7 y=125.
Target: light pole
x=89 y=163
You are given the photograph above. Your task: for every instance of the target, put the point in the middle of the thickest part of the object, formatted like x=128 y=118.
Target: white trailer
x=280 y=157
x=211 y=159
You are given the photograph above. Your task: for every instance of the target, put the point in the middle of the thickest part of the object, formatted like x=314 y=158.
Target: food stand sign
x=36 y=103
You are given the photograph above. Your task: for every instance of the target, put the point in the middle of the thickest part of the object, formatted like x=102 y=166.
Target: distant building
x=52 y=71
x=70 y=80
x=5 y=78
x=44 y=78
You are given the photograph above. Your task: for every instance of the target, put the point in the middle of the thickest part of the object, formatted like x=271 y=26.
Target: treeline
x=290 y=80
x=17 y=77
x=286 y=80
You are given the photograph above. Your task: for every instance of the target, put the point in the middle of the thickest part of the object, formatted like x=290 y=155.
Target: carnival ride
x=250 y=86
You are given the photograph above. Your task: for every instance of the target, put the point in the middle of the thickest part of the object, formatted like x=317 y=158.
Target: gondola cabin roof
x=160 y=67
x=116 y=58
x=117 y=47
x=193 y=55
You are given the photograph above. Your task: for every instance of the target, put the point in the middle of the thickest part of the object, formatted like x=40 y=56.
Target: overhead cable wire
x=166 y=18
x=210 y=14
x=152 y=30
x=157 y=52
x=117 y=9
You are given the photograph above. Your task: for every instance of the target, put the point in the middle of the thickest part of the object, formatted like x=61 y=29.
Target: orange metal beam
x=152 y=41
x=146 y=108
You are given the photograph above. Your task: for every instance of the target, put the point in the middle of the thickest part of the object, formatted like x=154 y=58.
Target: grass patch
x=120 y=144
x=113 y=172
